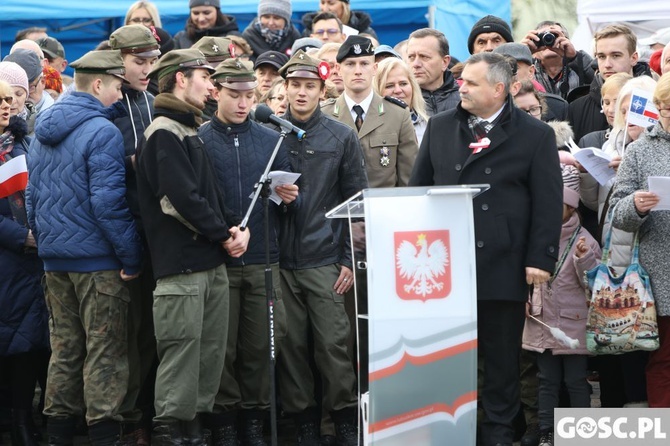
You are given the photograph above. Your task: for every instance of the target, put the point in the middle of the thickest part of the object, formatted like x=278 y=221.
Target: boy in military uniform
x=189 y=231
x=315 y=258
x=88 y=241
x=240 y=150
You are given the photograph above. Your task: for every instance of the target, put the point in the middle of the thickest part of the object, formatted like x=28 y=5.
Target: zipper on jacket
x=236 y=141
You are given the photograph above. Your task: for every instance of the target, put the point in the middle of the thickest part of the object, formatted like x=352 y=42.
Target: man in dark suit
x=517 y=221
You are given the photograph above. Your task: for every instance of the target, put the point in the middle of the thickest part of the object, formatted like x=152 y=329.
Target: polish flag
x=13 y=176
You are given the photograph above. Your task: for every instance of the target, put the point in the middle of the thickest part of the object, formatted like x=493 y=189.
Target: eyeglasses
x=534 y=111
x=279 y=98
x=33 y=86
x=321 y=32
x=142 y=20
x=664 y=112
x=7 y=99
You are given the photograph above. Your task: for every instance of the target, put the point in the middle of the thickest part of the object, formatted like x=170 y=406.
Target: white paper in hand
x=661 y=187
x=280 y=177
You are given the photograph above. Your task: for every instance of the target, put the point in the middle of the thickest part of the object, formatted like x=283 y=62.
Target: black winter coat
x=239 y=154
x=259 y=45
x=444 y=98
x=518 y=220
x=330 y=161
x=182 y=39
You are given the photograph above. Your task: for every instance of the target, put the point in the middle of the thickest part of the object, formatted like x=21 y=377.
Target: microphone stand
x=262 y=189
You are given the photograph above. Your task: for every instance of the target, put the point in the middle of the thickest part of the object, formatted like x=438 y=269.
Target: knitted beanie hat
x=570 y=185
x=489 y=24
x=52 y=79
x=282 y=8
x=14 y=75
x=194 y=3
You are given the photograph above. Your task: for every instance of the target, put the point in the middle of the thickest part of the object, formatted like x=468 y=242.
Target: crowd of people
x=135 y=293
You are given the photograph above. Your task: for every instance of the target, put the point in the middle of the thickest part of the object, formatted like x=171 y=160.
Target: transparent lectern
x=422 y=319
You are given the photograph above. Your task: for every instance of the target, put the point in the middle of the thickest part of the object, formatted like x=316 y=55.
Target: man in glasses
x=327 y=28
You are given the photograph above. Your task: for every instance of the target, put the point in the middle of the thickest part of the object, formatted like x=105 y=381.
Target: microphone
x=264 y=114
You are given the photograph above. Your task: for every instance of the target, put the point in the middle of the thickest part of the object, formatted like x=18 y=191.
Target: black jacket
x=518 y=220
x=585 y=114
x=259 y=45
x=359 y=20
x=239 y=154
x=173 y=166
x=446 y=97
x=330 y=161
x=139 y=107
x=182 y=39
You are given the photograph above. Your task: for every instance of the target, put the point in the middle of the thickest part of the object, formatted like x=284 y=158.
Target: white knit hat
x=282 y=8
x=14 y=75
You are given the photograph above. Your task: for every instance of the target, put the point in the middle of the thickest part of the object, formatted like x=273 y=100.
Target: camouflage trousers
x=88 y=369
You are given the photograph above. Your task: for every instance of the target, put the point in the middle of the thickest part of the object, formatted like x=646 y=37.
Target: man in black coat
x=517 y=221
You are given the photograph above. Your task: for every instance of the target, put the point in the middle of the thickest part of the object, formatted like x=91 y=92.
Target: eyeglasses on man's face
x=534 y=111
x=330 y=32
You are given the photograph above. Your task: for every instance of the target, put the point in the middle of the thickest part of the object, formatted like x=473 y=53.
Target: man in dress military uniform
x=384 y=125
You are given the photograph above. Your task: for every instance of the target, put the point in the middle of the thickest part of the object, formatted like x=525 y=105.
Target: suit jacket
x=386 y=125
x=518 y=220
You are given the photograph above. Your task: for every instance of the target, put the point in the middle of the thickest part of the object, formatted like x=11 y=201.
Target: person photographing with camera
x=559 y=67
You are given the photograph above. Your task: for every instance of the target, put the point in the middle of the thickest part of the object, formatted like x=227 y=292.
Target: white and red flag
x=13 y=176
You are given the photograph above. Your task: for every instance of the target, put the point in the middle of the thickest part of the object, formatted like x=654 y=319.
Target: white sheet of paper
x=661 y=187
x=349 y=31
x=596 y=162
x=278 y=178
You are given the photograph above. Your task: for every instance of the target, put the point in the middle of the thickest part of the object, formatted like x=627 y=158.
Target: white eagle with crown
x=424 y=267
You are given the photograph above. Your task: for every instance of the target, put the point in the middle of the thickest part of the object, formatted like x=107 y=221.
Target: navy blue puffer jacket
x=239 y=154
x=76 y=193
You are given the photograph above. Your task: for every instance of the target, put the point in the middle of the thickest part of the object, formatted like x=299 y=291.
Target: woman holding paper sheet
x=634 y=211
x=23 y=314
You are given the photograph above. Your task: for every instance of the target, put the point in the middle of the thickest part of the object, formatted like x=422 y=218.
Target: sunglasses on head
x=7 y=99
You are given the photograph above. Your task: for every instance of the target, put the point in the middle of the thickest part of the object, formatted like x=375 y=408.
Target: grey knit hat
x=194 y=3
x=282 y=8
x=489 y=24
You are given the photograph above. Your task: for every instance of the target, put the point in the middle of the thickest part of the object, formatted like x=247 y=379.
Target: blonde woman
x=395 y=79
x=143 y=13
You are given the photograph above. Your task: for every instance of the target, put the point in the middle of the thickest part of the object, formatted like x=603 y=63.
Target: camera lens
x=547 y=39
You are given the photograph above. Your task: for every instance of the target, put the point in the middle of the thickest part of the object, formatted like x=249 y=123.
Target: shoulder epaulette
x=396 y=101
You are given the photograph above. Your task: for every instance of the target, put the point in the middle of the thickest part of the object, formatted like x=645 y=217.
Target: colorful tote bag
x=622 y=314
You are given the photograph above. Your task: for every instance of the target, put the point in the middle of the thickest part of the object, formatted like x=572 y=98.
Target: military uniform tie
x=359 y=116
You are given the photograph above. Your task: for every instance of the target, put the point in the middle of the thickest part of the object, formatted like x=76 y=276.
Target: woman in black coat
x=24 y=336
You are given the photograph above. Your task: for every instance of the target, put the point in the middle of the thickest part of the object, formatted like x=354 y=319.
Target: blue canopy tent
x=81 y=24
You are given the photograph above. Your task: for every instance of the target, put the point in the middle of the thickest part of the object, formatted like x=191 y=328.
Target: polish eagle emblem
x=423 y=265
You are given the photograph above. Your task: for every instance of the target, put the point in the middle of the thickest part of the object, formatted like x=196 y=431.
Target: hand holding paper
x=660 y=186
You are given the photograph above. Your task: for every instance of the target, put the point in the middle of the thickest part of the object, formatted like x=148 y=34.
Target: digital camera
x=547 y=38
